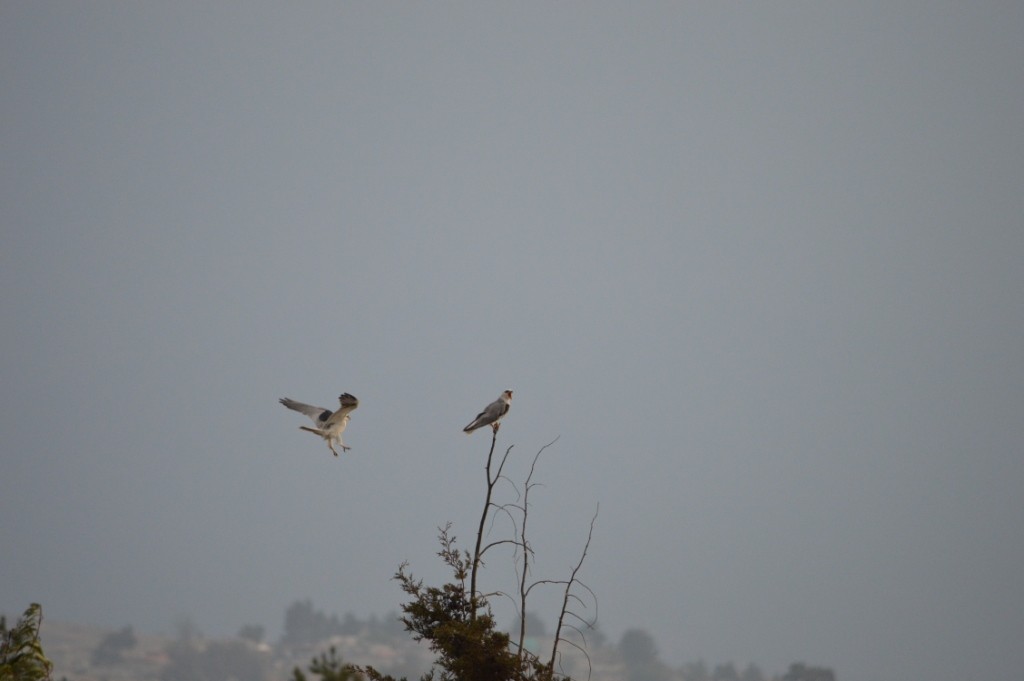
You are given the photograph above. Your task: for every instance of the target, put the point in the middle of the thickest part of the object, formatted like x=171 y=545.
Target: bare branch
x=502 y=509
x=523 y=590
x=498 y=542
x=457 y=619
x=582 y=649
x=568 y=588
x=483 y=521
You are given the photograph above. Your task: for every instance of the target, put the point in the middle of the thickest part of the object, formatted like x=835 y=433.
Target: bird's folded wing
x=488 y=415
x=495 y=410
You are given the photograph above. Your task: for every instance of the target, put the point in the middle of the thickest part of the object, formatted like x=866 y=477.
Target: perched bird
x=491 y=414
x=329 y=424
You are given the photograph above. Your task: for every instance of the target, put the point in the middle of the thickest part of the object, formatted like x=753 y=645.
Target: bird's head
x=348 y=400
x=507 y=395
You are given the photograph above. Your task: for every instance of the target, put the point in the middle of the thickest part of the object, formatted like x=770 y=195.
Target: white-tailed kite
x=492 y=414
x=329 y=424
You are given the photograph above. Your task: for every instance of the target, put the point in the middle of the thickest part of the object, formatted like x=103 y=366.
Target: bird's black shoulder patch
x=326 y=415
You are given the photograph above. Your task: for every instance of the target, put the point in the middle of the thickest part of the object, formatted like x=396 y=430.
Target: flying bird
x=329 y=424
x=492 y=413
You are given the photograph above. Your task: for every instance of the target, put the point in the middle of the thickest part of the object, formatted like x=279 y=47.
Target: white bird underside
x=329 y=424
x=492 y=413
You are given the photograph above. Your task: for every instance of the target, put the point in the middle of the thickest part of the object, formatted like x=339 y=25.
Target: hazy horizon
x=758 y=267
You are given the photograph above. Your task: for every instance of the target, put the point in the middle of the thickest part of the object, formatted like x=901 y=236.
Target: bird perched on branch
x=329 y=424
x=492 y=413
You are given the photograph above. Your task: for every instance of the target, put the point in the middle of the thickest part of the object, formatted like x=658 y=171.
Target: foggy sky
x=758 y=266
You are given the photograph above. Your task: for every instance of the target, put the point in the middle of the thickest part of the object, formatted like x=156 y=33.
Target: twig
x=477 y=552
x=568 y=590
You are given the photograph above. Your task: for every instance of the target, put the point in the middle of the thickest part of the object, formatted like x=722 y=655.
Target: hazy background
x=761 y=267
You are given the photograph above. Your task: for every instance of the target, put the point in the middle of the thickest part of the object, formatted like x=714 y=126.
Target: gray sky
x=758 y=265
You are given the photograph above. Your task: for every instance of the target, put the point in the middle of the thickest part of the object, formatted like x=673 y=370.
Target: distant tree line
x=639 y=656
x=112 y=646
x=304 y=624
x=192 y=659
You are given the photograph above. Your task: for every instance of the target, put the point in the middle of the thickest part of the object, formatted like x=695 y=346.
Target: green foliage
x=329 y=667
x=459 y=629
x=455 y=619
x=21 y=653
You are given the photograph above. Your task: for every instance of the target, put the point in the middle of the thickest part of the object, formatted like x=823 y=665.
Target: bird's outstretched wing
x=317 y=414
x=348 y=404
x=329 y=424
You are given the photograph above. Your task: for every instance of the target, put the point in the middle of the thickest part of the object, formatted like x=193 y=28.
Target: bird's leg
x=331 y=447
x=495 y=426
